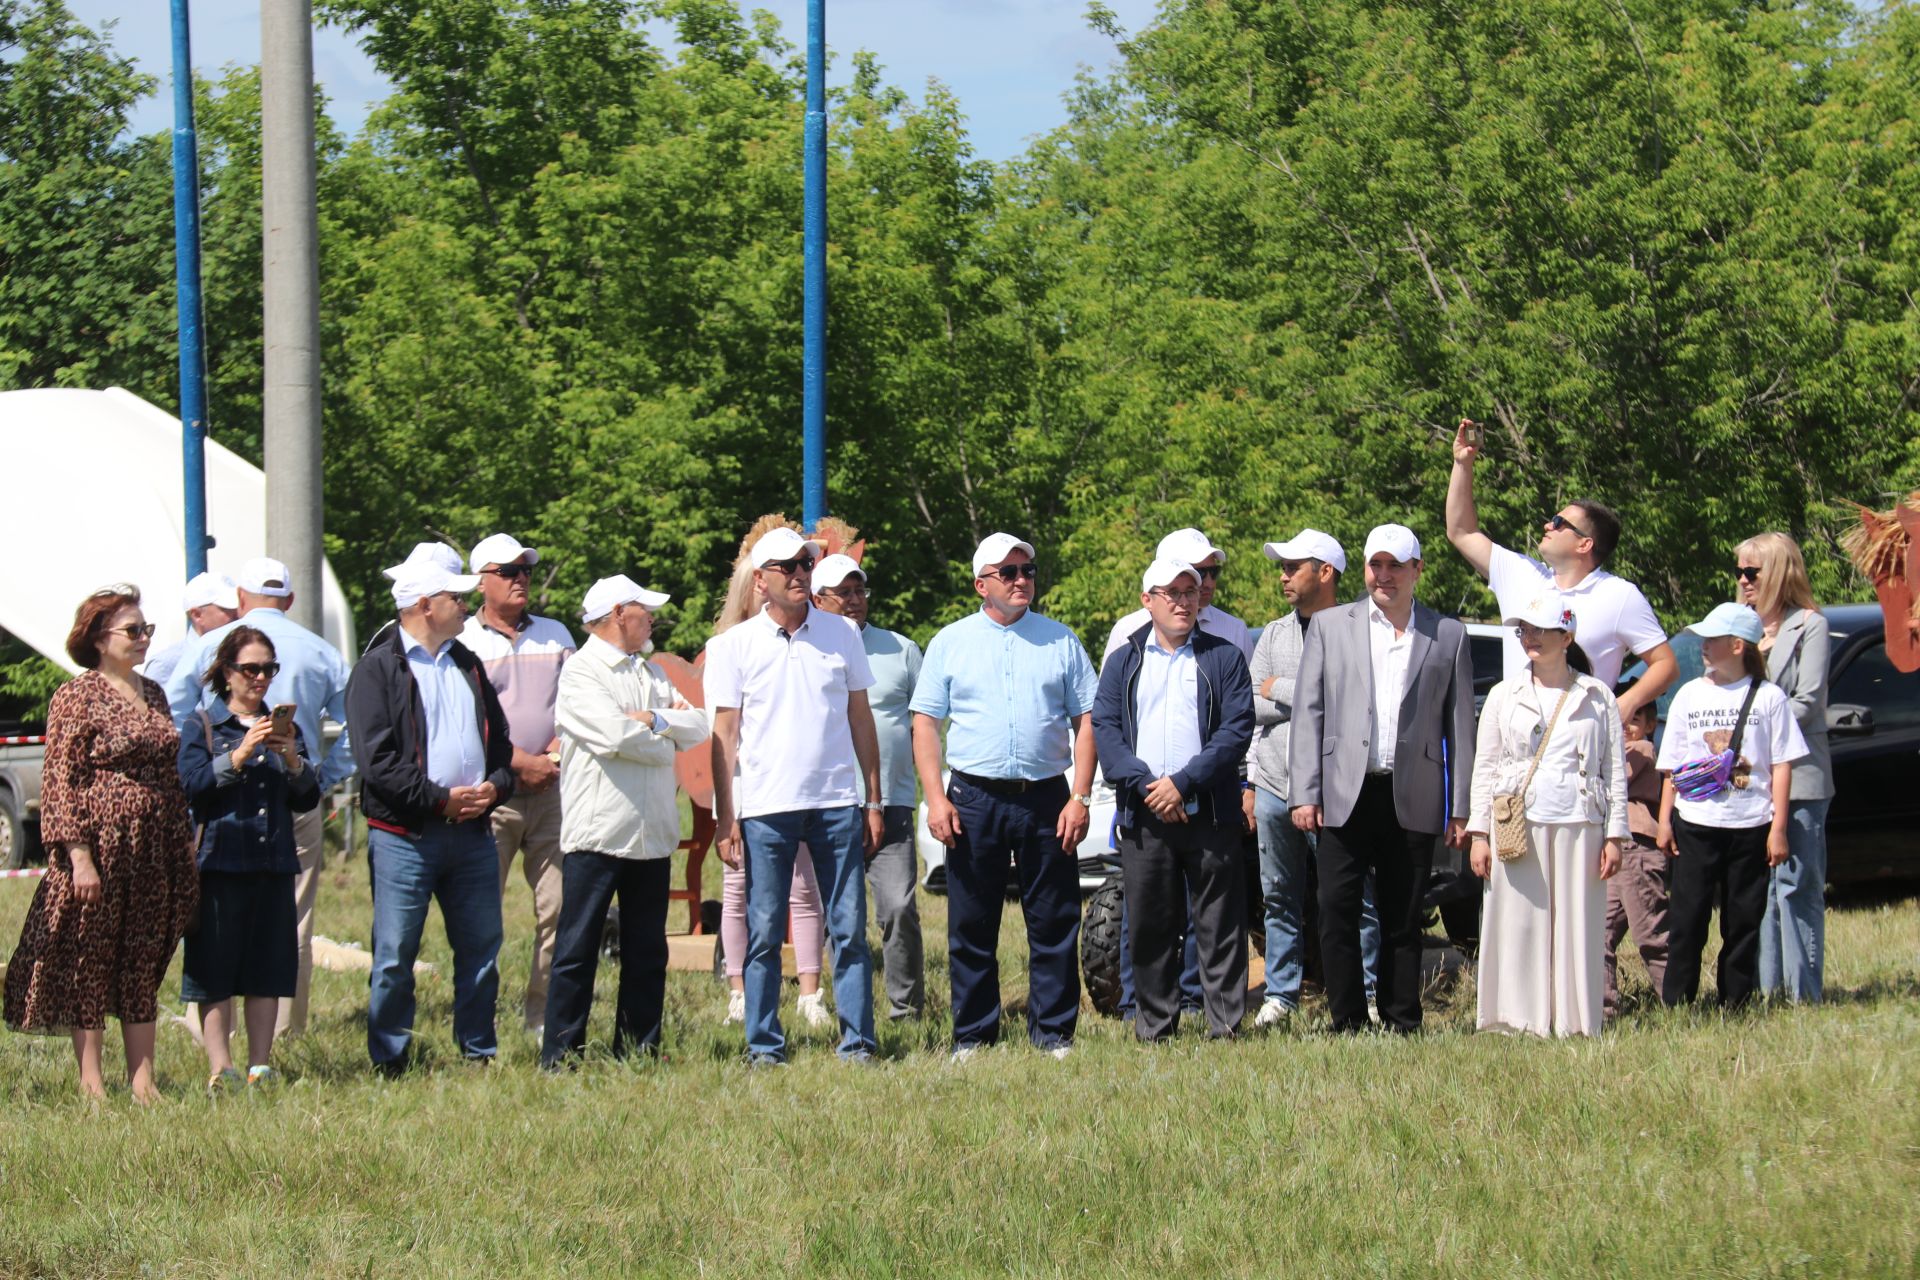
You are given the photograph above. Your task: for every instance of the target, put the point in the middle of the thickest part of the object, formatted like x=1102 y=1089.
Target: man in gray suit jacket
x=1380 y=761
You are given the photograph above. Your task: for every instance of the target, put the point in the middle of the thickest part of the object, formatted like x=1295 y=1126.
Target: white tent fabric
x=93 y=496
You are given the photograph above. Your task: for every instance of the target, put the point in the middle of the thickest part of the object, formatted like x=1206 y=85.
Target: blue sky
x=1008 y=61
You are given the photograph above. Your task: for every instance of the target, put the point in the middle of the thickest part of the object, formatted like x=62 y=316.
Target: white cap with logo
x=265 y=576
x=208 y=588
x=782 y=544
x=415 y=580
x=1549 y=611
x=1164 y=573
x=499 y=548
x=1396 y=540
x=834 y=570
x=1188 y=546
x=1309 y=544
x=996 y=547
x=603 y=595
x=428 y=553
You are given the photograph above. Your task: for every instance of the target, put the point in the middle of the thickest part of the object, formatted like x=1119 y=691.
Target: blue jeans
x=457 y=865
x=1286 y=876
x=834 y=840
x=1793 y=932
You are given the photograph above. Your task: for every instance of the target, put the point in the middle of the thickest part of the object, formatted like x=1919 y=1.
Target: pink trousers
x=809 y=928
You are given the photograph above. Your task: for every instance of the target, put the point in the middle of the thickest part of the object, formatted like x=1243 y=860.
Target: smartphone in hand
x=1473 y=434
x=283 y=719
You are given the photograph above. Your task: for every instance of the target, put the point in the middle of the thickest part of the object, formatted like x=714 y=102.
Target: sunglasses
x=1208 y=572
x=1747 y=573
x=511 y=571
x=135 y=630
x=257 y=670
x=1014 y=572
x=799 y=564
x=1291 y=567
x=1558 y=522
x=117 y=589
x=855 y=592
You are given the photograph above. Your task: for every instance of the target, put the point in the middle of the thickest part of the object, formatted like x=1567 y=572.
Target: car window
x=1489 y=661
x=1871 y=680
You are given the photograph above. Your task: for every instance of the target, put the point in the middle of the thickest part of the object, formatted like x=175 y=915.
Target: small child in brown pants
x=1637 y=895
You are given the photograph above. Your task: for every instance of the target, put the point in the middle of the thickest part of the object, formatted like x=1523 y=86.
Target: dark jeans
x=994 y=828
x=589 y=882
x=1165 y=867
x=1724 y=867
x=1373 y=840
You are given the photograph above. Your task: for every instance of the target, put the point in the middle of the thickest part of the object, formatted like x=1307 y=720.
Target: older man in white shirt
x=619 y=726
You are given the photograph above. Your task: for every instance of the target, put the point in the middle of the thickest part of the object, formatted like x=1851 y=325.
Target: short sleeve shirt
x=796 y=744
x=1700 y=723
x=524 y=669
x=1009 y=693
x=1613 y=621
x=895 y=663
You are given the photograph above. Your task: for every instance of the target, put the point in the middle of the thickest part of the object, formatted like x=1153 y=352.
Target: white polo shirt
x=1613 y=620
x=796 y=745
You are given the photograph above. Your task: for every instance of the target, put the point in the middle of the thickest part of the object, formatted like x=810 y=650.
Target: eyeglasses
x=135 y=630
x=1014 y=572
x=854 y=592
x=797 y=565
x=1177 y=597
x=1557 y=522
x=1208 y=572
x=257 y=670
x=1747 y=573
x=510 y=571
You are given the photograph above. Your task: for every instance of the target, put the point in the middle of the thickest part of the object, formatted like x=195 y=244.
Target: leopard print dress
x=111 y=782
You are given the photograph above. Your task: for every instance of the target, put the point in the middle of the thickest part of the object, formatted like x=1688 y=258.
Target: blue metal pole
x=186 y=253
x=814 y=356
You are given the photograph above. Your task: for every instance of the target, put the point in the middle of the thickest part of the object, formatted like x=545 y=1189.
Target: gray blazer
x=1333 y=720
x=1798 y=664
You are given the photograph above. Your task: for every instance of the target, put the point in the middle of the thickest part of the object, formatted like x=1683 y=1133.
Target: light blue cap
x=1729 y=619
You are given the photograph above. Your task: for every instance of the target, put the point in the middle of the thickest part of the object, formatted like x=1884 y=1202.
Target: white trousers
x=1543 y=937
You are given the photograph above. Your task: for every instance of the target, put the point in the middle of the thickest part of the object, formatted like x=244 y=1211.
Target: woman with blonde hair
x=1772 y=580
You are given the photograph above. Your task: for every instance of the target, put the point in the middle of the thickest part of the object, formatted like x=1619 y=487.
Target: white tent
x=93 y=495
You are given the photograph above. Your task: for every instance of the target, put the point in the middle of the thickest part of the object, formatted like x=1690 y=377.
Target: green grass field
x=1780 y=1143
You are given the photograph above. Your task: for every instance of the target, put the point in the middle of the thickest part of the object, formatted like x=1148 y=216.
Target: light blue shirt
x=895 y=662
x=1167 y=710
x=159 y=666
x=456 y=757
x=1009 y=693
x=313 y=677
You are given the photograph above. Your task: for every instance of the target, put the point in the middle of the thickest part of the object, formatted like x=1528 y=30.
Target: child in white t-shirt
x=1723 y=843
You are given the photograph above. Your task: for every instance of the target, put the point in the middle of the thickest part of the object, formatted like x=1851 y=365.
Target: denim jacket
x=246 y=814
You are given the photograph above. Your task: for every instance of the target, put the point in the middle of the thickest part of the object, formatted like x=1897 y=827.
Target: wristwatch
x=873 y=805
x=1086 y=801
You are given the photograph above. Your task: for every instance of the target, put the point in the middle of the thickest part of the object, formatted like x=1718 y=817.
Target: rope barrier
x=23 y=874
x=28 y=740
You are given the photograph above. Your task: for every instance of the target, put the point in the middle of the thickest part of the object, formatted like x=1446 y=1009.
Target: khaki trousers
x=309 y=842
x=529 y=824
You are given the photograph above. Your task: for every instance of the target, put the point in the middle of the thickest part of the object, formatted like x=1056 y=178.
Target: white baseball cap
x=833 y=571
x=1396 y=540
x=499 y=548
x=208 y=588
x=1309 y=544
x=1187 y=546
x=258 y=576
x=1164 y=573
x=603 y=595
x=428 y=553
x=782 y=544
x=417 y=579
x=1549 y=611
x=1730 y=619
x=996 y=547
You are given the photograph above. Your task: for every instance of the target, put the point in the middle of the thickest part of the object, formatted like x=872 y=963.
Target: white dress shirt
x=1389 y=654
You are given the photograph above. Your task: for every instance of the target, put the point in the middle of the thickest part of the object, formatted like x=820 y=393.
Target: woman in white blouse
x=1541 y=943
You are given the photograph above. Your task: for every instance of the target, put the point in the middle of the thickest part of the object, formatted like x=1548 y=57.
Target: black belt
x=1002 y=786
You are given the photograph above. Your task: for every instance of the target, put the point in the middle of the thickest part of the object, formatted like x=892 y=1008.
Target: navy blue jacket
x=247 y=815
x=1225 y=701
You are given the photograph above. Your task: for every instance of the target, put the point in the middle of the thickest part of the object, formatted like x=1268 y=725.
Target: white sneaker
x=1373 y=1013
x=1272 y=1013
x=962 y=1054
x=813 y=1008
x=736 y=1008
x=1059 y=1052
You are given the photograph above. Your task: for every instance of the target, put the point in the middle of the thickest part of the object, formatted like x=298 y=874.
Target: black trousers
x=1373 y=839
x=1724 y=867
x=1164 y=867
x=588 y=883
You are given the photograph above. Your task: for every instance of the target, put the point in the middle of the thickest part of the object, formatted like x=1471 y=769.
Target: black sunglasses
x=254 y=670
x=1208 y=572
x=799 y=564
x=1747 y=573
x=1557 y=522
x=511 y=571
x=1014 y=572
x=136 y=630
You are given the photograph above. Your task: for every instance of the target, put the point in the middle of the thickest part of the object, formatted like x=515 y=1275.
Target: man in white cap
x=1017 y=691
x=1379 y=763
x=1172 y=721
x=787 y=689
x=435 y=758
x=313 y=677
x=1310 y=563
x=620 y=725
x=840 y=586
x=523 y=653
x=1616 y=622
x=209 y=601
x=1190 y=546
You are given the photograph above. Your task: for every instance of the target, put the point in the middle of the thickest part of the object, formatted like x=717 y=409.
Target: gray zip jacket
x=1276 y=654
